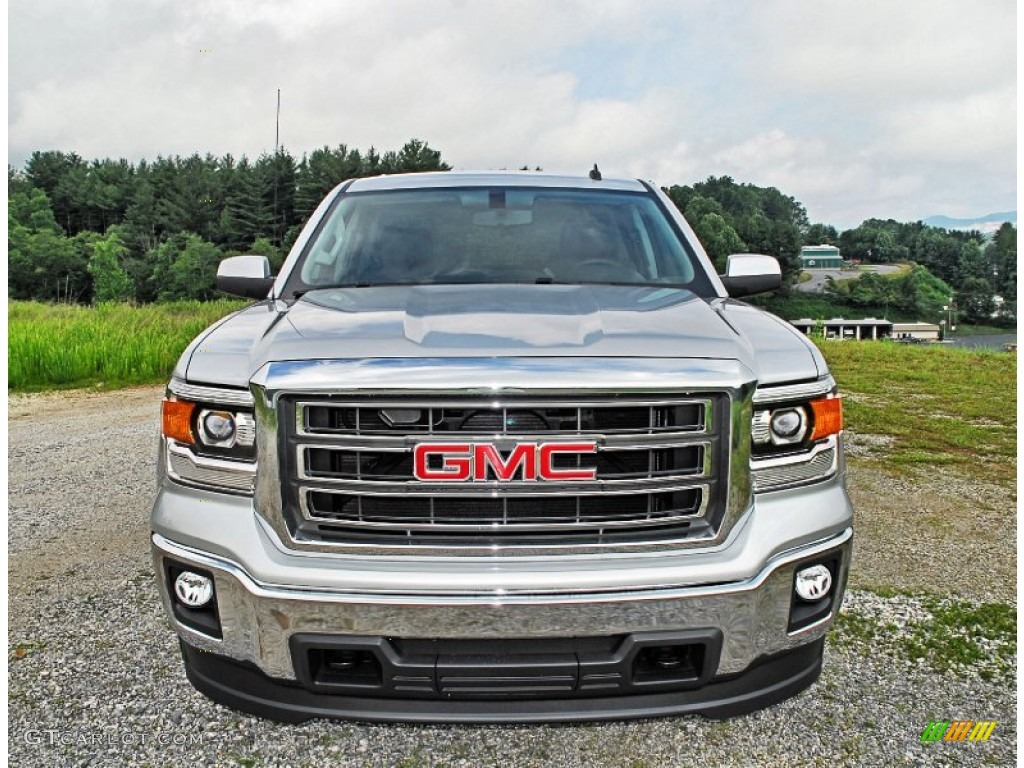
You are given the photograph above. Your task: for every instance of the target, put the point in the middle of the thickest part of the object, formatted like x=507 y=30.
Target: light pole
x=950 y=310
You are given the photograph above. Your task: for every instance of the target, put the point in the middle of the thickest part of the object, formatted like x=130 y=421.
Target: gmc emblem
x=461 y=462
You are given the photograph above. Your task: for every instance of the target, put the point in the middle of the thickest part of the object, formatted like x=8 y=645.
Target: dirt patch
x=81 y=479
x=64 y=403
x=933 y=530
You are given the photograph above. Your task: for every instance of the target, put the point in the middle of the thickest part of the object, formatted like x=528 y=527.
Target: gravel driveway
x=95 y=677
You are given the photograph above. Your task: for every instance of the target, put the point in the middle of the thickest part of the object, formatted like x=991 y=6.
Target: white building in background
x=869 y=328
x=922 y=331
x=820 y=257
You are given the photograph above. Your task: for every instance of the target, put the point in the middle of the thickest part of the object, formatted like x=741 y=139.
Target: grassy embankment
x=941 y=406
x=59 y=346
x=941 y=411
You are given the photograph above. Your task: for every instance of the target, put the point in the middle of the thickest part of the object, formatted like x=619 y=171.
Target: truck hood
x=448 y=321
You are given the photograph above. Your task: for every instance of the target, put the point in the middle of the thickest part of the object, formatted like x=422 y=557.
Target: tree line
x=155 y=230
x=734 y=218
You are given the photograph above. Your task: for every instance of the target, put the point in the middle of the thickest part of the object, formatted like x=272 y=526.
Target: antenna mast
x=277 y=135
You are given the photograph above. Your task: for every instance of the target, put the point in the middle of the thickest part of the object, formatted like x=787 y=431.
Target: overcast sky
x=856 y=108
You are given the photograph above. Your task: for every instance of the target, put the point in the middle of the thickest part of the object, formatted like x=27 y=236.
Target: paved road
x=95 y=678
x=985 y=342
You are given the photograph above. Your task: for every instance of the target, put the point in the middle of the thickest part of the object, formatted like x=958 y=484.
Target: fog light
x=193 y=590
x=813 y=583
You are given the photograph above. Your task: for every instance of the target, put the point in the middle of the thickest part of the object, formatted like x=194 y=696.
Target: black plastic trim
x=243 y=687
x=504 y=668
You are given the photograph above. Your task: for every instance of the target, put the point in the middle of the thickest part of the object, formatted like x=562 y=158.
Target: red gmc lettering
x=523 y=455
x=458 y=459
x=526 y=461
x=546 y=461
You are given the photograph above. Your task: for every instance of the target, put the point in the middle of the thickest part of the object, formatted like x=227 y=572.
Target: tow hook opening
x=662 y=663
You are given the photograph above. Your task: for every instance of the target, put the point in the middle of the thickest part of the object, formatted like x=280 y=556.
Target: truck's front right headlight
x=210 y=442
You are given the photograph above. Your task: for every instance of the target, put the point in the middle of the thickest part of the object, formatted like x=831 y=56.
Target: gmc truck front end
x=499 y=447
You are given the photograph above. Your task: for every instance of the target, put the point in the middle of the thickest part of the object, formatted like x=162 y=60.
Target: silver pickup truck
x=500 y=447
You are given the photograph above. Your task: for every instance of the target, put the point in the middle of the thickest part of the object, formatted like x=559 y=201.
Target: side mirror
x=747 y=273
x=247 y=276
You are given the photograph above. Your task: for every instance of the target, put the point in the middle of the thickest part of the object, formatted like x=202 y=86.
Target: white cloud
x=847 y=106
x=974 y=129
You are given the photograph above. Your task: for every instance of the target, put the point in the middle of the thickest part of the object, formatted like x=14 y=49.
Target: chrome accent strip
x=491 y=489
x=259 y=619
x=581 y=525
x=804 y=391
x=475 y=377
x=205 y=394
x=185 y=467
x=823 y=621
x=408 y=440
x=511 y=487
x=820 y=463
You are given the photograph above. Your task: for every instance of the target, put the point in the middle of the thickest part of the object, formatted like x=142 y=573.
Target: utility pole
x=277 y=135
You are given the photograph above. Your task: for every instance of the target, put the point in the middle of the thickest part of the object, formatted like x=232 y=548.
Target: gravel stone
x=96 y=680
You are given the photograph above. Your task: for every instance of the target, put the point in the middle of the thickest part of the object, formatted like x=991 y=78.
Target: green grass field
x=57 y=346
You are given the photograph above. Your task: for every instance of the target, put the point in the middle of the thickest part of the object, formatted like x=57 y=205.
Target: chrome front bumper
x=258 y=619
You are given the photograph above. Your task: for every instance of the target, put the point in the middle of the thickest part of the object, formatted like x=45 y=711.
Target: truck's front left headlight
x=209 y=444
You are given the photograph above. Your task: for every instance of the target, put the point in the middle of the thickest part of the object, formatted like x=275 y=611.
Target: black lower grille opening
x=505 y=668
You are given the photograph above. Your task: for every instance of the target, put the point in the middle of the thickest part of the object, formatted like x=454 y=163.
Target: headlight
x=208 y=445
x=788 y=424
x=794 y=440
x=793 y=425
x=217 y=428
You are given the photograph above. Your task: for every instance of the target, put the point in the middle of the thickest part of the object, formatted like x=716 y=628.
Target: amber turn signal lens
x=177 y=420
x=828 y=417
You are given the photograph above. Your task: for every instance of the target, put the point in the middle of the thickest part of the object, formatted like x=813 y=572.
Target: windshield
x=496 y=235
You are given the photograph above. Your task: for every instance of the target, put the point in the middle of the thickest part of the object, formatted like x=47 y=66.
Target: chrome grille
x=349 y=472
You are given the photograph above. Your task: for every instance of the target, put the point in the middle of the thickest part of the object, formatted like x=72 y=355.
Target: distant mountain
x=986 y=224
